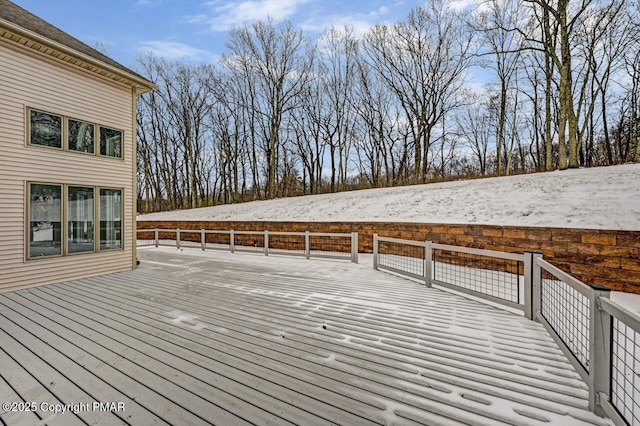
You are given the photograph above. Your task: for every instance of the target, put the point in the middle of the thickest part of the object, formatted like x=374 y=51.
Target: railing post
x=266 y=242
x=232 y=241
x=428 y=263
x=203 y=239
x=375 y=251
x=354 y=247
x=599 y=348
x=527 y=289
x=536 y=285
x=528 y=284
x=178 y=238
x=156 y=235
x=307 y=245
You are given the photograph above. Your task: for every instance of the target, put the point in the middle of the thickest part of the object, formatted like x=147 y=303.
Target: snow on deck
x=218 y=338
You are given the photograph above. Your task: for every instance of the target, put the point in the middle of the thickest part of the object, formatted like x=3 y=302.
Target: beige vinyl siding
x=31 y=80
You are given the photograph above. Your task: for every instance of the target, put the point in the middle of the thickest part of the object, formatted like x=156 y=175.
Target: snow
x=409 y=352
x=594 y=198
x=628 y=300
x=597 y=198
x=356 y=301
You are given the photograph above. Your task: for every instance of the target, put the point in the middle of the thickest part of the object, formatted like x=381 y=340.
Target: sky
x=196 y=30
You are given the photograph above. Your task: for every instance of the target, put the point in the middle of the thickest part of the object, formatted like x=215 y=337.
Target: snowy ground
x=597 y=198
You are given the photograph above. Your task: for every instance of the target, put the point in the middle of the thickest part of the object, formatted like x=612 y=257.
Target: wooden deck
x=195 y=338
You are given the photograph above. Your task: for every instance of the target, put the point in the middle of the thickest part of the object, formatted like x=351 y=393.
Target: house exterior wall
x=32 y=80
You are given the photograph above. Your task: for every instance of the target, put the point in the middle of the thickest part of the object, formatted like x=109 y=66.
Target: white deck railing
x=307 y=244
x=599 y=337
x=491 y=275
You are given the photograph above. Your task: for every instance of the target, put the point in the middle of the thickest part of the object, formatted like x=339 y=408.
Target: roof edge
x=141 y=85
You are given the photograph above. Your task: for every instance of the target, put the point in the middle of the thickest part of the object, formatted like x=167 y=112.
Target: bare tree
x=632 y=67
x=381 y=153
x=494 y=24
x=423 y=60
x=272 y=58
x=338 y=54
x=173 y=141
x=560 y=20
x=283 y=116
x=308 y=141
x=474 y=125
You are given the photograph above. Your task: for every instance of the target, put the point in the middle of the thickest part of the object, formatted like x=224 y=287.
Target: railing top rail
x=631 y=319
x=312 y=234
x=329 y=234
x=287 y=233
x=468 y=250
x=575 y=283
x=401 y=241
x=480 y=252
x=248 y=232
x=215 y=231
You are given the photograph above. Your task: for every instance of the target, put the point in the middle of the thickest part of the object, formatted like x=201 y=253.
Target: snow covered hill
x=596 y=198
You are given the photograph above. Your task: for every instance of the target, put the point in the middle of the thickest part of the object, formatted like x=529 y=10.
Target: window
x=110 y=219
x=45 y=231
x=45 y=129
x=110 y=142
x=80 y=219
x=70 y=134
x=63 y=220
x=80 y=136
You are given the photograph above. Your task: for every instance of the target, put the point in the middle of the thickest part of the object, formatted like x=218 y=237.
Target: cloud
x=174 y=50
x=463 y=5
x=226 y=15
x=360 y=22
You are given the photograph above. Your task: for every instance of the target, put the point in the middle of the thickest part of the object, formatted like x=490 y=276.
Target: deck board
x=388 y=367
x=46 y=383
x=216 y=338
x=230 y=363
x=197 y=373
x=106 y=370
x=399 y=348
x=8 y=394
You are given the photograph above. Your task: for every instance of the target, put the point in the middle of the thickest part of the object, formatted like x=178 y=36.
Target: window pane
x=46 y=129
x=110 y=219
x=110 y=142
x=80 y=136
x=45 y=230
x=80 y=220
